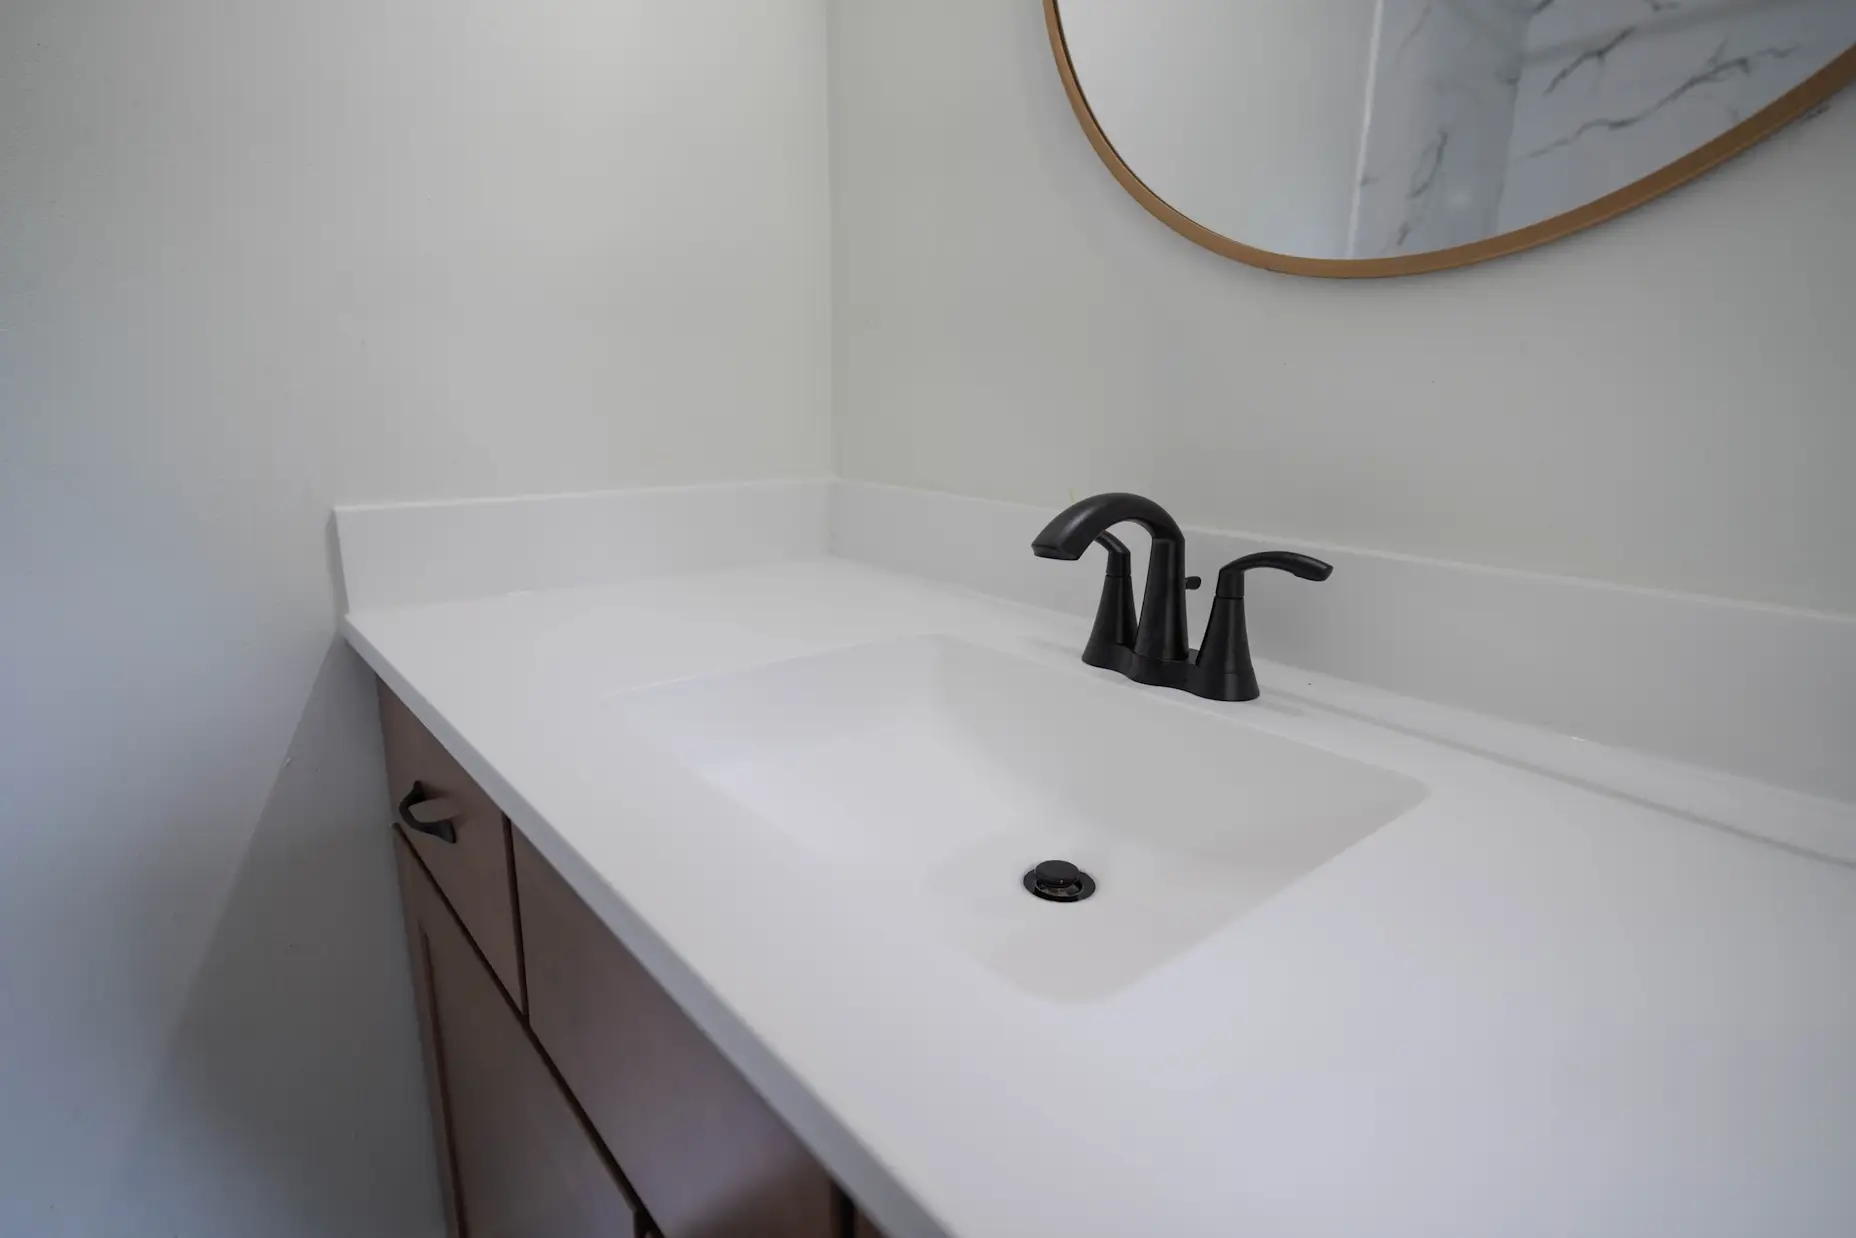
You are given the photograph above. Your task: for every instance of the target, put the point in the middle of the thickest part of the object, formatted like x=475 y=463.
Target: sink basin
x=932 y=773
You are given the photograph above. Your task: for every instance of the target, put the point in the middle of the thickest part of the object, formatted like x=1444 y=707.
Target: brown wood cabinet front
x=472 y=865
x=705 y=1154
x=516 y=1161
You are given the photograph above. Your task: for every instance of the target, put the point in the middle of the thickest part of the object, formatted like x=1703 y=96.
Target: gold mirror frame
x=1812 y=93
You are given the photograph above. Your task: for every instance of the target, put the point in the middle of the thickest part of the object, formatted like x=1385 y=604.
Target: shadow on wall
x=302 y=1003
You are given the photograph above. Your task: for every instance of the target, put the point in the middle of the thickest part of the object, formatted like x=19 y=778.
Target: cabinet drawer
x=516 y=1160
x=705 y=1154
x=472 y=871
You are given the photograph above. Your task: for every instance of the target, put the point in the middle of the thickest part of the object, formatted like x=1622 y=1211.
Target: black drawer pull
x=435 y=820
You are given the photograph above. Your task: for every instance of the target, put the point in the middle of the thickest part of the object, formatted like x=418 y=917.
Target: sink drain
x=1060 y=881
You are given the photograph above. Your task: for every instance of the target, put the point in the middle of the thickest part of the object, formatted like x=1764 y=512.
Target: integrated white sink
x=932 y=773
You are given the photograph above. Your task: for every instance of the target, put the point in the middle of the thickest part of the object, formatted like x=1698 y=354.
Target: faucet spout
x=1069 y=534
x=1161 y=634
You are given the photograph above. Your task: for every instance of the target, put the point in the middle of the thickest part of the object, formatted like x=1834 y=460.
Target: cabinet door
x=706 y=1155
x=470 y=861
x=517 y=1162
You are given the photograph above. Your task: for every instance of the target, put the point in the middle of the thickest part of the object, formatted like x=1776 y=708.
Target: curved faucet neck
x=1073 y=528
x=1161 y=632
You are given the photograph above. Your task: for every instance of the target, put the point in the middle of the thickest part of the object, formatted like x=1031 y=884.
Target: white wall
x=256 y=259
x=1664 y=401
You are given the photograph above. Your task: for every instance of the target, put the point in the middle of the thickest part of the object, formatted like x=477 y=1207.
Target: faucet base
x=1183 y=675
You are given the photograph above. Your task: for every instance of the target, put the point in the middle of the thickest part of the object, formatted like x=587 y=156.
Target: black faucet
x=1153 y=650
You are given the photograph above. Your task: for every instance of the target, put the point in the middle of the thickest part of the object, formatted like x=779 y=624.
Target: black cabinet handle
x=438 y=824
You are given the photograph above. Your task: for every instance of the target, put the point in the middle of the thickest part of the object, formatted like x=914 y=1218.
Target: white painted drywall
x=257 y=259
x=1663 y=401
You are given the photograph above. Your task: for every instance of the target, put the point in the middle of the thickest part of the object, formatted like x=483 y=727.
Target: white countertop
x=1526 y=1006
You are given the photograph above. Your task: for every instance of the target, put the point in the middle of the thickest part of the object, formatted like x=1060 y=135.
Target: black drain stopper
x=1060 y=881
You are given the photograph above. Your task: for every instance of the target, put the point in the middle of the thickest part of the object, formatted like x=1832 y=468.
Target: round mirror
x=1342 y=137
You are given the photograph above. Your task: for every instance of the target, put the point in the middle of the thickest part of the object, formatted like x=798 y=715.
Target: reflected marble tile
x=1612 y=90
x=1441 y=109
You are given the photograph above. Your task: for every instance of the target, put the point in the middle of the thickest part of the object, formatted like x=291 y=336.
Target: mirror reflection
x=1342 y=129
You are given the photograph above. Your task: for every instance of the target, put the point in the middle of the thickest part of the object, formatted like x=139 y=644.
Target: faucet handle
x=1223 y=671
x=1231 y=577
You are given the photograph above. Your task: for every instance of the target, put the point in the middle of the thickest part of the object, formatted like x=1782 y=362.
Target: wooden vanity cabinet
x=459 y=834
x=571 y=1096
x=706 y=1155
x=515 y=1159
